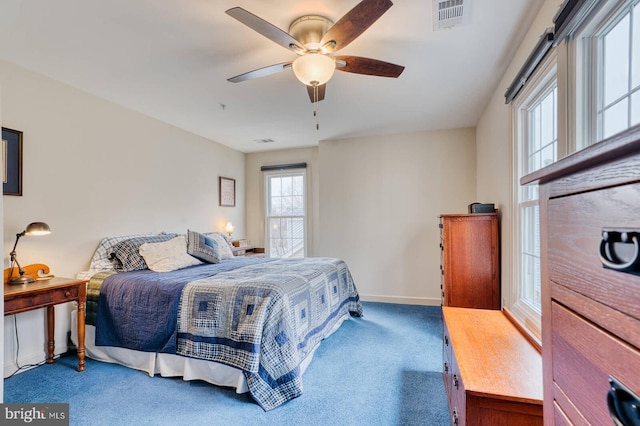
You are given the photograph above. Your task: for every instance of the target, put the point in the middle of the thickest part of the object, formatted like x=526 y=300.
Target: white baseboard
x=32 y=359
x=28 y=332
x=10 y=365
x=424 y=301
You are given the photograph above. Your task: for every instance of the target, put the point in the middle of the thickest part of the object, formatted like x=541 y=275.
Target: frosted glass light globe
x=314 y=68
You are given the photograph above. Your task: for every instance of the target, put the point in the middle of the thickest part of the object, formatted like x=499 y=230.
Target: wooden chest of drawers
x=470 y=265
x=492 y=374
x=590 y=231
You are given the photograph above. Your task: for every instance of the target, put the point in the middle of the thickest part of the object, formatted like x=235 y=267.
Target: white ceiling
x=170 y=59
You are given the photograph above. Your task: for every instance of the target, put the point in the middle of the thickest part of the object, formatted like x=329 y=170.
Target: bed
x=249 y=323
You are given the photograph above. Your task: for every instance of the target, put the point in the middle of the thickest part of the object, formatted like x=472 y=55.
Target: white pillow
x=168 y=255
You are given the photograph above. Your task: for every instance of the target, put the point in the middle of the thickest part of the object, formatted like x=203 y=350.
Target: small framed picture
x=11 y=162
x=227 y=191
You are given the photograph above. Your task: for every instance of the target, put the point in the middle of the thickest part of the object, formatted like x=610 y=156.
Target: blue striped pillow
x=202 y=247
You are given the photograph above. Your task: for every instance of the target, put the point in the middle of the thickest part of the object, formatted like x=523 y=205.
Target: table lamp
x=229 y=228
x=35 y=228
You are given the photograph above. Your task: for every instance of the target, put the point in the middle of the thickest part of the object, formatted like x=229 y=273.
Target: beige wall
x=380 y=198
x=494 y=145
x=92 y=169
x=256 y=187
x=375 y=203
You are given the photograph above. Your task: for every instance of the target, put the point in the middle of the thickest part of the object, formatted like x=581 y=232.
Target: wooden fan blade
x=265 y=28
x=368 y=66
x=320 y=93
x=355 y=22
x=261 y=72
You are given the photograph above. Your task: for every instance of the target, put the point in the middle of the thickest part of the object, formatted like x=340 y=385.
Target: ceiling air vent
x=265 y=140
x=449 y=13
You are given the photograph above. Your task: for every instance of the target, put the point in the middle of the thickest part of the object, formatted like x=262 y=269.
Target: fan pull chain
x=315 y=105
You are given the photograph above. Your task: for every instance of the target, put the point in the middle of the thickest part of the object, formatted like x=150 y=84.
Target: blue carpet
x=382 y=369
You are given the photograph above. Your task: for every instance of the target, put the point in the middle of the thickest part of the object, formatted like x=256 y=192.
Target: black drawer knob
x=623 y=404
x=620 y=249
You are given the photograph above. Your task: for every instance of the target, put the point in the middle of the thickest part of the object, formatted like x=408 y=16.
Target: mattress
x=171 y=365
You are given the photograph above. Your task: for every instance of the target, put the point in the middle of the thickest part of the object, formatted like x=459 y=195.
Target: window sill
x=528 y=330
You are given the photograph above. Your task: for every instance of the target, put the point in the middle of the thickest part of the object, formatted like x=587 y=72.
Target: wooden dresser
x=492 y=374
x=590 y=232
x=470 y=268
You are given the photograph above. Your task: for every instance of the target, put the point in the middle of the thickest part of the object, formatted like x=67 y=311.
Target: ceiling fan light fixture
x=314 y=69
x=314 y=38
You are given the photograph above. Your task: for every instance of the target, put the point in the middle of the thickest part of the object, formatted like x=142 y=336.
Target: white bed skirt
x=169 y=365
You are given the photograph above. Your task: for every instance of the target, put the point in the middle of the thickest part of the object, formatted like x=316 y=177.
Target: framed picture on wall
x=11 y=162
x=227 y=191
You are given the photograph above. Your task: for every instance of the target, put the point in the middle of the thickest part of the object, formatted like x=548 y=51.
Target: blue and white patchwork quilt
x=263 y=318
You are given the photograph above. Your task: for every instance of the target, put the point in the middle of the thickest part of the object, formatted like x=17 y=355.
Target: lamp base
x=21 y=279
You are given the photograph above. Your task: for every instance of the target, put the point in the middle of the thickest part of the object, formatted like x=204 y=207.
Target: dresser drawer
x=583 y=358
x=447 y=356
x=559 y=417
x=453 y=381
x=458 y=400
x=23 y=302
x=575 y=225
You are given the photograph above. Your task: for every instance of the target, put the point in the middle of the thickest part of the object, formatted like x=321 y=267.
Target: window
x=286 y=213
x=596 y=77
x=536 y=126
x=539 y=149
x=608 y=71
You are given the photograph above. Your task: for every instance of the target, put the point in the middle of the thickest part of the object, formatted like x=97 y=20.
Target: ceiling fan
x=314 y=39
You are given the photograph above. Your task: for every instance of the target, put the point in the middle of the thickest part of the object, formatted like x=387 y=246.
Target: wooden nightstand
x=47 y=294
